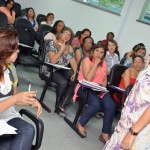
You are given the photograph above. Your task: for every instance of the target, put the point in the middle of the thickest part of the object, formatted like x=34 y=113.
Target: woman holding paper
x=60 y=52
x=9 y=96
x=93 y=68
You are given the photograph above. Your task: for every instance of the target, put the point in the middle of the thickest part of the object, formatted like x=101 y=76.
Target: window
x=145 y=14
x=113 y=6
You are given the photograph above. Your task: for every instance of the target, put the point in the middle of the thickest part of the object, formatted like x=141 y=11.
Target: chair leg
x=42 y=98
x=73 y=124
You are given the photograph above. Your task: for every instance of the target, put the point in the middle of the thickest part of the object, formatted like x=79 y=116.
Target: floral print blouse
x=136 y=103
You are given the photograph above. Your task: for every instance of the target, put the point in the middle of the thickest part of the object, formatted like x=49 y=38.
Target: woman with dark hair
x=85 y=49
x=9 y=96
x=60 y=52
x=77 y=41
x=56 y=29
x=30 y=15
x=93 y=68
x=138 y=49
x=8 y=10
x=129 y=76
x=49 y=19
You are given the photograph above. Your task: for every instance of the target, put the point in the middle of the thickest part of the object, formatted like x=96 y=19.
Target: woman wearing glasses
x=60 y=52
x=8 y=10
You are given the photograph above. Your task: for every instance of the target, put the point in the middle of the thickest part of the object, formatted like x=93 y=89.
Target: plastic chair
x=114 y=79
x=26 y=43
x=17 y=9
x=3 y=20
x=39 y=127
x=40 y=18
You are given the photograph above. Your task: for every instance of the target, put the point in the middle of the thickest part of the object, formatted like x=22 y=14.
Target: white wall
x=128 y=31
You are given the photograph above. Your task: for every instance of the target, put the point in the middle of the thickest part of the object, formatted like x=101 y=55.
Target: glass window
x=113 y=6
x=145 y=14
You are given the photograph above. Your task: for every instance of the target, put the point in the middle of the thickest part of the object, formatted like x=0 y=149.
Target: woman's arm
x=74 y=67
x=137 y=127
x=126 y=77
x=88 y=71
x=78 y=55
x=55 y=57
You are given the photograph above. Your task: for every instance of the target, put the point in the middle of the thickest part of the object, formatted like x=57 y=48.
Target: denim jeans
x=20 y=141
x=95 y=103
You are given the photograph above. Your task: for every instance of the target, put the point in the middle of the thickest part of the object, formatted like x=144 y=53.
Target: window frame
x=100 y=8
x=143 y=13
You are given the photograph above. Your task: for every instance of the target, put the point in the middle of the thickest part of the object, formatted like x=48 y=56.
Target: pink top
x=99 y=75
x=7 y=12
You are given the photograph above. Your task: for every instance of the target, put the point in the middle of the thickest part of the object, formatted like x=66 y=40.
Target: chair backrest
x=3 y=20
x=2 y=2
x=17 y=9
x=25 y=31
x=122 y=60
x=127 y=91
x=43 y=28
x=115 y=74
x=40 y=18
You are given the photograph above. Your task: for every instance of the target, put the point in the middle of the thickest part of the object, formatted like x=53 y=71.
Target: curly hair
x=8 y=45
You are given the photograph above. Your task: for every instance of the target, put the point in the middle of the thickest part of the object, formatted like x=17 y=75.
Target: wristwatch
x=133 y=132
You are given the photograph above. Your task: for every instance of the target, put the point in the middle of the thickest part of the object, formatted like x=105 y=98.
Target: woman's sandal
x=82 y=132
x=60 y=112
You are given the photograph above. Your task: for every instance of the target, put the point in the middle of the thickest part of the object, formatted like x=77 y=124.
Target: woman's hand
x=147 y=61
x=72 y=77
x=127 y=141
x=37 y=105
x=97 y=61
x=24 y=98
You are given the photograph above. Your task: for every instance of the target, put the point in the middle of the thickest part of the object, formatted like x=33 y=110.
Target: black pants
x=65 y=87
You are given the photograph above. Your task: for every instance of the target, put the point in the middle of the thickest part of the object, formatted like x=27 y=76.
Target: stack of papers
x=58 y=66
x=6 y=128
x=92 y=85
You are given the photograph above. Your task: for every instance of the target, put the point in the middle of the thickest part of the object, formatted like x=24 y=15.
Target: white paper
x=58 y=66
x=117 y=88
x=24 y=45
x=6 y=128
x=94 y=86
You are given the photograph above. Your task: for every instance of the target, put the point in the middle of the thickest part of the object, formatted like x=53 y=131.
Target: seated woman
x=77 y=41
x=130 y=74
x=60 y=52
x=111 y=57
x=133 y=128
x=93 y=68
x=56 y=29
x=85 y=49
x=138 y=49
x=8 y=10
x=30 y=15
x=9 y=96
x=49 y=19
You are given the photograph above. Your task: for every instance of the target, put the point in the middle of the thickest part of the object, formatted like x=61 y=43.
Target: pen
x=29 y=87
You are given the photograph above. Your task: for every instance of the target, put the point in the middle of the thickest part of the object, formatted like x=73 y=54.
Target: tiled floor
x=57 y=134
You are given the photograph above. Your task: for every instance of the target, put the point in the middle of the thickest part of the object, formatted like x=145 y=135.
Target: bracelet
x=132 y=132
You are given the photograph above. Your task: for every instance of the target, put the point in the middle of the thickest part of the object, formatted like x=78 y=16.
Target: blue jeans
x=20 y=141
x=95 y=103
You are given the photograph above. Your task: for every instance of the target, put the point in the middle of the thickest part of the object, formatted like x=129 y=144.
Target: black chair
x=2 y=2
x=39 y=127
x=40 y=18
x=113 y=81
x=47 y=79
x=81 y=105
x=26 y=43
x=3 y=20
x=43 y=28
x=127 y=91
x=17 y=9
x=122 y=60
